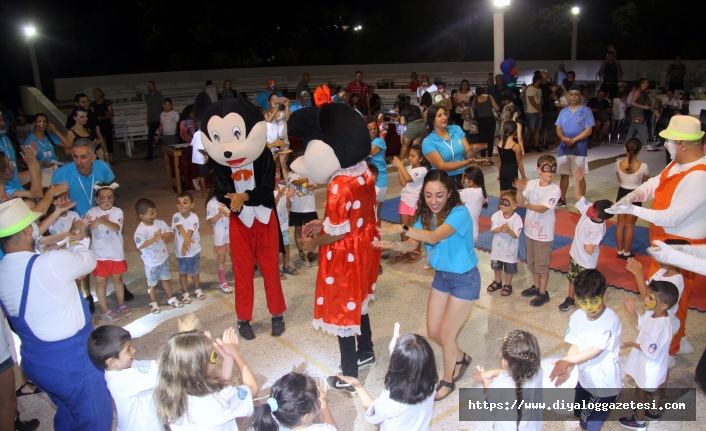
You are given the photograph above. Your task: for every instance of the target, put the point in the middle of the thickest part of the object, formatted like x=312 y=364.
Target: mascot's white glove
x=623 y=206
x=691 y=259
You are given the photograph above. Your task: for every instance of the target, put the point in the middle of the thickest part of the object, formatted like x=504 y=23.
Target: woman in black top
x=484 y=105
x=79 y=130
x=103 y=109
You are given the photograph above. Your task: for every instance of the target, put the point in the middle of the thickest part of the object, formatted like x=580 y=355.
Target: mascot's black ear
x=304 y=124
x=249 y=105
x=201 y=105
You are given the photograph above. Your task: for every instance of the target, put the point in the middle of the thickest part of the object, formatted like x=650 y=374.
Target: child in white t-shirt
x=411 y=179
x=295 y=400
x=107 y=245
x=187 y=245
x=673 y=275
x=189 y=397
x=130 y=382
x=149 y=239
x=402 y=406
x=473 y=195
x=168 y=124
x=589 y=233
x=66 y=220
x=506 y=226
x=522 y=373
x=540 y=197
x=594 y=334
x=648 y=362
x=219 y=216
x=303 y=206
x=283 y=201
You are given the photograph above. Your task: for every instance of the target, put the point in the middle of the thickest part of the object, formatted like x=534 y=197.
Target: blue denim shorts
x=156 y=273
x=6 y=364
x=189 y=265
x=534 y=121
x=464 y=286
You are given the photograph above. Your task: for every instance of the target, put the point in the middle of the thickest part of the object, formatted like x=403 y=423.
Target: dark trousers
x=611 y=90
x=152 y=127
x=676 y=85
x=347 y=345
x=486 y=134
x=701 y=371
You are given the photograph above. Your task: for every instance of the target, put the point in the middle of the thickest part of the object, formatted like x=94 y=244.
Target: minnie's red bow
x=322 y=95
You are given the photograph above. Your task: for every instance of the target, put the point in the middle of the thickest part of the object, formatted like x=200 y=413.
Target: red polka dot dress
x=348 y=268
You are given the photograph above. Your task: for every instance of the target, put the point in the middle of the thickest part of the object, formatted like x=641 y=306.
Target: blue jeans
x=534 y=121
x=189 y=265
x=464 y=286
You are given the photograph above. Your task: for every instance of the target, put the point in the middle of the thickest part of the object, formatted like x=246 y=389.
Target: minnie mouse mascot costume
x=337 y=141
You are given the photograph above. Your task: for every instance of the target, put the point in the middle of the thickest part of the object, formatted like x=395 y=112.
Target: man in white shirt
x=39 y=296
x=679 y=205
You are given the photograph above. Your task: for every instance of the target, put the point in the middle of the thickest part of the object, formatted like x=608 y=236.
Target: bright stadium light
x=575 y=10
x=501 y=3
x=30 y=31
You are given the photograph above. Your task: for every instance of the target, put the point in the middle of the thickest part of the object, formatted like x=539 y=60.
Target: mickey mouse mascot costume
x=337 y=141
x=235 y=136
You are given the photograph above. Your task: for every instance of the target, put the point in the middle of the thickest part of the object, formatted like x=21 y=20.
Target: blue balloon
x=505 y=67
x=508 y=78
x=511 y=62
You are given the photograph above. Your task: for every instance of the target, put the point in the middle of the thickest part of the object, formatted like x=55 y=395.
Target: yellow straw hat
x=683 y=128
x=15 y=216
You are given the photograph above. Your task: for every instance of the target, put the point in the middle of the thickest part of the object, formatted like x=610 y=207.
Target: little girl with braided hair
x=522 y=371
x=295 y=401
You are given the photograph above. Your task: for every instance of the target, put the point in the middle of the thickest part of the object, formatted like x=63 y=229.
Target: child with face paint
x=590 y=231
x=669 y=273
x=594 y=334
x=506 y=226
x=540 y=197
x=648 y=362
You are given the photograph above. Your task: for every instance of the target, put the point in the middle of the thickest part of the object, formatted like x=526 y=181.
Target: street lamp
x=499 y=33
x=574 y=34
x=31 y=34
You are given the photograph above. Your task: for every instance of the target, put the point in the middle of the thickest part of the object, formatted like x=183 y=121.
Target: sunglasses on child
x=546 y=167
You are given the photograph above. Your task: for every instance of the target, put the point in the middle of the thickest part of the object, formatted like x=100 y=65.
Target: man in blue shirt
x=574 y=126
x=262 y=99
x=303 y=102
x=6 y=147
x=82 y=174
x=499 y=88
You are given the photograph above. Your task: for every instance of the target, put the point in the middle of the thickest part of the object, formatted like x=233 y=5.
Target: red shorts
x=406 y=209
x=106 y=268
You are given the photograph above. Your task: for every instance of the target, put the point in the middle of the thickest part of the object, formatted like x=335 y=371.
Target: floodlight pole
x=498 y=39
x=574 y=36
x=35 y=67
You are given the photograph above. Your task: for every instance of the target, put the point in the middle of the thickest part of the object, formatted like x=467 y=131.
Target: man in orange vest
x=679 y=204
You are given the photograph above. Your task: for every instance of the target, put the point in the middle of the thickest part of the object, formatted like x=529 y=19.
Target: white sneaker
x=427 y=265
x=197 y=186
x=685 y=348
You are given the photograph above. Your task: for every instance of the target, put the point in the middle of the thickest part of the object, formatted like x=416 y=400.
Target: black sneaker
x=529 y=150
x=561 y=202
x=567 y=305
x=532 y=291
x=245 y=330
x=540 y=299
x=149 y=158
x=91 y=305
x=538 y=149
x=653 y=417
x=631 y=423
x=29 y=425
x=366 y=360
x=339 y=385
x=277 y=325
x=128 y=296
x=380 y=270
x=545 y=146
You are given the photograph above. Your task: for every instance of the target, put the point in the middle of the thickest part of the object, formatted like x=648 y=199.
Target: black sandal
x=507 y=290
x=19 y=392
x=443 y=383
x=495 y=285
x=464 y=363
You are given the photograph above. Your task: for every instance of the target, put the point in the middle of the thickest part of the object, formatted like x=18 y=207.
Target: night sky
x=84 y=38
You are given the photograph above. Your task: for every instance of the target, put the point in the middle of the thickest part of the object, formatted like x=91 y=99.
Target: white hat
x=15 y=216
x=683 y=128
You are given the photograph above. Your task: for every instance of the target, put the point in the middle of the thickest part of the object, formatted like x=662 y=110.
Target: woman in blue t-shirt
x=377 y=158
x=445 y=226
x=446 y=147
